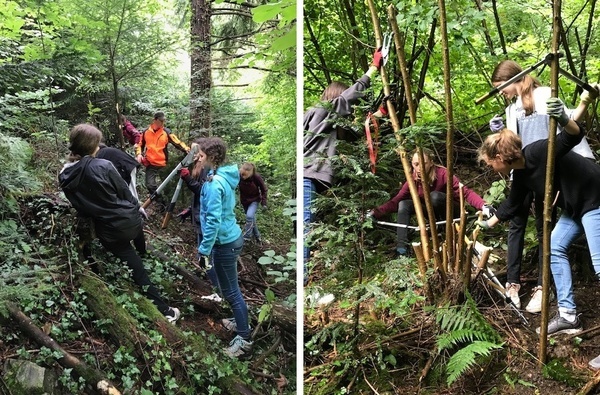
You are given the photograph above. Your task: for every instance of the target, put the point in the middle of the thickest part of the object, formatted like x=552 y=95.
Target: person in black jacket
x=96 y=190
x=125 y=164
x=321 y=132
x=577 y=190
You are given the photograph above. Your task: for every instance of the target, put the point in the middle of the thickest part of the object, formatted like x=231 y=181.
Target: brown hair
x=335 y=89
x=84 y=139
x=506 y=70
x=504 y=143
x=215 y=149
x=250 y=166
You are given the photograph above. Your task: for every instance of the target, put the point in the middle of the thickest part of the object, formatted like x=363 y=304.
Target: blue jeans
x=225 y=257
x=566 y=231
x=310 y=190
x=250 y=229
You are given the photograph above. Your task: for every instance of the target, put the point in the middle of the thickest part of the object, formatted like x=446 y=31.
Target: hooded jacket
x=96 y=190
x=217 y=202
x=321 y=131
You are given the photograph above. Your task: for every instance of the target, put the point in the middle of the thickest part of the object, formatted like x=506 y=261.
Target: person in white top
x=527 y=116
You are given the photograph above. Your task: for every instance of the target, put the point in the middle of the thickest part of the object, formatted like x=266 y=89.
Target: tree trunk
x=201 y=79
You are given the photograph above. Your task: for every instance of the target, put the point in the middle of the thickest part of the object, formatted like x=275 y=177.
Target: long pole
x=449 y=134
x=401 y=151
x=548 y=187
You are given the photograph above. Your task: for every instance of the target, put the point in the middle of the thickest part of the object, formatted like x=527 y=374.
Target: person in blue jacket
x=222 y=239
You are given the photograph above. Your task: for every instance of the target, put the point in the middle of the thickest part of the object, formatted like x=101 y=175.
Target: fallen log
x=95 y=379
x=123 y=331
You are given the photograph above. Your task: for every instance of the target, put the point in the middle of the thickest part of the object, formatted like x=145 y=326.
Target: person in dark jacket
x=131 y=134
x=152 y=151
x=437 y=176
x=253 y=192
x=320 y=138
x=194 y=182
x=96 y=190
x=125 y=164
x=577 y=189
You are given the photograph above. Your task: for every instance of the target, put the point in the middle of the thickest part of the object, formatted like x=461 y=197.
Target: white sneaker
x=535 y=304
x=214 y=297
x=173 y=315
x=239 y=348
x=512 y=291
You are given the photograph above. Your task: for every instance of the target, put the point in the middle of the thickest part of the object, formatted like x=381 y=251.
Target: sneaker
x=512 y=291
x=535 y=304
x=173 y=315
x=558 y=325
x=214 y=297
x=229 y=324
x=239 y=348
x=595 y=363
x=401 y=251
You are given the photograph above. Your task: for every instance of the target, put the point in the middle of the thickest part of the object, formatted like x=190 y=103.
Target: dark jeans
x=225 y=258
x=516 y=239
x=406 y=209
x=123 y=250
x=153 y=182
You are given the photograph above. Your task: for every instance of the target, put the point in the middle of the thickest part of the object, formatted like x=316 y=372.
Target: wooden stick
x=422 y=269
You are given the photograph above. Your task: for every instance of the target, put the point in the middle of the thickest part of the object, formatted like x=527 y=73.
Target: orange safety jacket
x=155 y=143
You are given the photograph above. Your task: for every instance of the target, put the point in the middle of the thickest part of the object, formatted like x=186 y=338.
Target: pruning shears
x=385 y=47
x=188 y=160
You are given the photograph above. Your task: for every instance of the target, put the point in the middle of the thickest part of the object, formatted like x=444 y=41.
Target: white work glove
x=496 y=124
x=143 y=213
x=588 y=97
x=556 y=109
x=488 y=210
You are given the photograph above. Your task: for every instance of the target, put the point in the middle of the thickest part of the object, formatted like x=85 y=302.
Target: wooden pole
x=396 y=126
x=548 y=188
x=412 y=112
x=449 y=133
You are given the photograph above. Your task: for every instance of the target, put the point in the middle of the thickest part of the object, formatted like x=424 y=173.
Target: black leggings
x=123 y=250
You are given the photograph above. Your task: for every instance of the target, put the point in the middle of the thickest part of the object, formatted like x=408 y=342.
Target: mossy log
x=123 y=332
x=95 y=379
x=283 y=316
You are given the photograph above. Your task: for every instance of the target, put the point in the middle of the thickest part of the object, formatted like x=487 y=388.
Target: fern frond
x=465 y=358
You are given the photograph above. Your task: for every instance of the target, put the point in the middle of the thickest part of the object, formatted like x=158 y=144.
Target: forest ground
x=513 y=370
x=273 y=363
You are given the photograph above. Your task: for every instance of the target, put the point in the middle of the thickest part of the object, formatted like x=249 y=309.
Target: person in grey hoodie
x=321 y=132
x=97 y=191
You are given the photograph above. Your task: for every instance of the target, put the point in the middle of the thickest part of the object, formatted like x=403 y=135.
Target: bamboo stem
x=548 y=198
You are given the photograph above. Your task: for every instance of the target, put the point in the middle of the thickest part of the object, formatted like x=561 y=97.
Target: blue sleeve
x=213 y=199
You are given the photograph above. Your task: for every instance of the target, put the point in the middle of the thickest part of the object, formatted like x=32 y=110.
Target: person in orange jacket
x=152 y=151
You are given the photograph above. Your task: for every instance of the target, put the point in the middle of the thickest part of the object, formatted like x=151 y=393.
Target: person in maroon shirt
x=252 y=192
x=402 y=203
x=131 y=134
